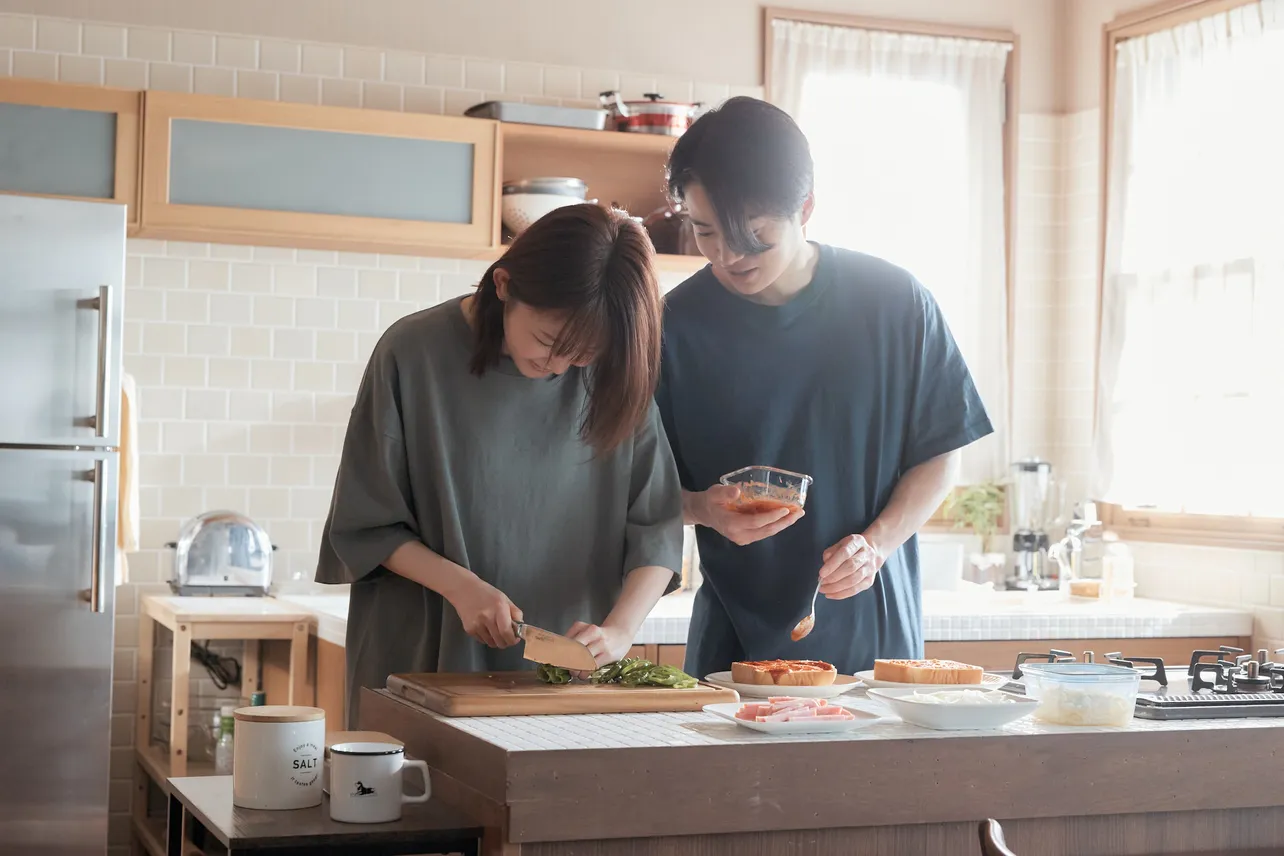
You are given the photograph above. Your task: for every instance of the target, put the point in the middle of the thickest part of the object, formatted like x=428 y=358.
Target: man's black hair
x=752 y=160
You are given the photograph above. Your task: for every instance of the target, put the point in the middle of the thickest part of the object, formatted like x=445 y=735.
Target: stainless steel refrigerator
x=62 y=271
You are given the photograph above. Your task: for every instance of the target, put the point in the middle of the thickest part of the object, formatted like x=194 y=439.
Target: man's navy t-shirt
x=854 y=381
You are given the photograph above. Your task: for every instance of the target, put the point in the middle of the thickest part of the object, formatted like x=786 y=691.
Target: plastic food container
x=767 y=489
x=1082 y=693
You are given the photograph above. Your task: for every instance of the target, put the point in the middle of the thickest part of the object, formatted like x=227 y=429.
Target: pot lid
x=648 y=99
x=278 y=713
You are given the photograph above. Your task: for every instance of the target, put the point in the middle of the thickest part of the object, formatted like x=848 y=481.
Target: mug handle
x=423 y=771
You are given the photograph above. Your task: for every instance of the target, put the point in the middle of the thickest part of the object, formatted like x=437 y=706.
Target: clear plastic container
x=767 y=489
x=1118 y=577
x=224 y=750
x=1082 y=693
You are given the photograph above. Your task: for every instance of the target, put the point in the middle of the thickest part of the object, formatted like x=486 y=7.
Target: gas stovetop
x=1223 y=684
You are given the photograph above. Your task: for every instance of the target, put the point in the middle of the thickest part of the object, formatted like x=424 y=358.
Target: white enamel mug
x=366 y=782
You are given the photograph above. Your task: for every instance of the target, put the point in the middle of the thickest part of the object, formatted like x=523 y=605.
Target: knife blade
x=553 y=650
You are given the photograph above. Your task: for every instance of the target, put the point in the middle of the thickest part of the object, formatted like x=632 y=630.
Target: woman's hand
x=606 y=643
x=486 y=612
x=709 y=508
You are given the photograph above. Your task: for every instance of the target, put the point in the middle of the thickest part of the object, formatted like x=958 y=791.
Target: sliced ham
x=792 y=700
x=790 y=709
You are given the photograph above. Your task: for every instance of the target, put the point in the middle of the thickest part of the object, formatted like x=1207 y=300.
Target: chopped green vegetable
x=628 y=672
x=637 y=672
x=608 y=674
x=553 y=674
x=668 y=676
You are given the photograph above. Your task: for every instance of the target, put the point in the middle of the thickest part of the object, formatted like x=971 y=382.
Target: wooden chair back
x=992 y=843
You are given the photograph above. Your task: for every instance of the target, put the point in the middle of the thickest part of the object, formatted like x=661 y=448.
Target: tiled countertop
x=643 y=730
x=947 y=616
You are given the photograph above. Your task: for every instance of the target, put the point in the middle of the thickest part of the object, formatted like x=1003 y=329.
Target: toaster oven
x=222 y=553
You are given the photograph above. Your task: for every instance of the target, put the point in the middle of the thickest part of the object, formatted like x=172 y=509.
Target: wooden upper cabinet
x=78 y=142
x=242 y=171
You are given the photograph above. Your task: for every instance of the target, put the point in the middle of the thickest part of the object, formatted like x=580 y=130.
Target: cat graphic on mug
x=363 y=791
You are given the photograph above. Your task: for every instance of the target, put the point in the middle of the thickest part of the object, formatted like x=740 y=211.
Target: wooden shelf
x=155 y=761
x=619 y=168
x=150 y=833
x=251 y=620
x=657 y=145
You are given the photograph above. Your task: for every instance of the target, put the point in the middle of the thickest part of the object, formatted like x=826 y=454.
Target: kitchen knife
x=553 y=650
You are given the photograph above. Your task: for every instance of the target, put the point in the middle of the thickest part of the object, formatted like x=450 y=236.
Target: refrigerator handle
x=102 y=305
x=97 y=587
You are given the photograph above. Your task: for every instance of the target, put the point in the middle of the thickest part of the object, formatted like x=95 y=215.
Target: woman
x=505 y=461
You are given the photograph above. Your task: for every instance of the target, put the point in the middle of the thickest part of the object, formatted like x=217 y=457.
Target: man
x=813 y=359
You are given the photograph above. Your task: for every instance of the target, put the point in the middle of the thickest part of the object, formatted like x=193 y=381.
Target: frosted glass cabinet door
x=78 y=142
x=235 y=169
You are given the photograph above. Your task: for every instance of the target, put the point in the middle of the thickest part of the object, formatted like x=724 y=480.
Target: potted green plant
x=978 y=507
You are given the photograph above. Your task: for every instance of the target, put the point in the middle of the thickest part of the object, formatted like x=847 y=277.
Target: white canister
x=366 y=782
x=277 y=756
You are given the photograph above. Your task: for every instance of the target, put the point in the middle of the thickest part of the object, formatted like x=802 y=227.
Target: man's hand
x=709 y=508
x=850 y=566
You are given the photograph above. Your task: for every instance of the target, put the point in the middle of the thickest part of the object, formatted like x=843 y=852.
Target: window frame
x=1011 y=121
x=1139 y=524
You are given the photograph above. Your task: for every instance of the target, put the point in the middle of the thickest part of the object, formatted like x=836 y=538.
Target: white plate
x=813 y=725
x=842 y=684
x=988 y=682
x=953 y=717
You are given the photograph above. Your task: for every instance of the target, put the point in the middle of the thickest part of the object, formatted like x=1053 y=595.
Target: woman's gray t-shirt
x=489 y=472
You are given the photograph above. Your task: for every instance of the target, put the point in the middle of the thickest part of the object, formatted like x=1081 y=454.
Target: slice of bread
x=927 y=672
x=784 y=673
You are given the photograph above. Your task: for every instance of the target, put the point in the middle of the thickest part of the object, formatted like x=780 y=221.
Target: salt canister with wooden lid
x=278 y=752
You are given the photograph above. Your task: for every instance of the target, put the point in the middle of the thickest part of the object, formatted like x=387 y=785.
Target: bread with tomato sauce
x=927 y=672
x=784 y=673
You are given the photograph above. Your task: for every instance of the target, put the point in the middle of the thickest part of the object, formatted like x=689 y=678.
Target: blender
x=1035 y=505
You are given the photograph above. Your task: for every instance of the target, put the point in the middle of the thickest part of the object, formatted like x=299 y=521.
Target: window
x=1191 y=387
x=908 y=133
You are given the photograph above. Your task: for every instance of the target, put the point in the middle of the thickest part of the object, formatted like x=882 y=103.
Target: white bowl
x=519 y=210
x=958 y=716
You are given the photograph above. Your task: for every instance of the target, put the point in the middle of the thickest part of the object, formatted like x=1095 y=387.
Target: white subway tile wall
x=1038 y=188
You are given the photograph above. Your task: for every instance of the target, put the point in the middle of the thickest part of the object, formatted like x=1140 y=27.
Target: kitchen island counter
x=690 y=783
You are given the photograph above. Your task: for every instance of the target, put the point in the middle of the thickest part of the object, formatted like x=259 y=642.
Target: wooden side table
x=201 y=808
x=252 y=619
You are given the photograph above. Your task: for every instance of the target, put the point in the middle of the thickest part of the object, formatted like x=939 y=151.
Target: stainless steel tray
x=539 y=114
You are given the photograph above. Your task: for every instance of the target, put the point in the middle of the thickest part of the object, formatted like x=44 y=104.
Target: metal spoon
x=802 y=628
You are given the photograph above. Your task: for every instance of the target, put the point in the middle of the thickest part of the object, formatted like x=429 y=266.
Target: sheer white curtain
x=907 y=135
x=1191 y=400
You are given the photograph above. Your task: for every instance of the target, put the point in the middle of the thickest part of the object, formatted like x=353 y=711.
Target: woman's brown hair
x=595 y=265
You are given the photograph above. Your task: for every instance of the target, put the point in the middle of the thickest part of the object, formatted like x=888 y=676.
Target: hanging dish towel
x=127 y=503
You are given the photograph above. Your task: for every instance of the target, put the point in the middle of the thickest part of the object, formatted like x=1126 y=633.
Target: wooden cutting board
x=521 y=693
